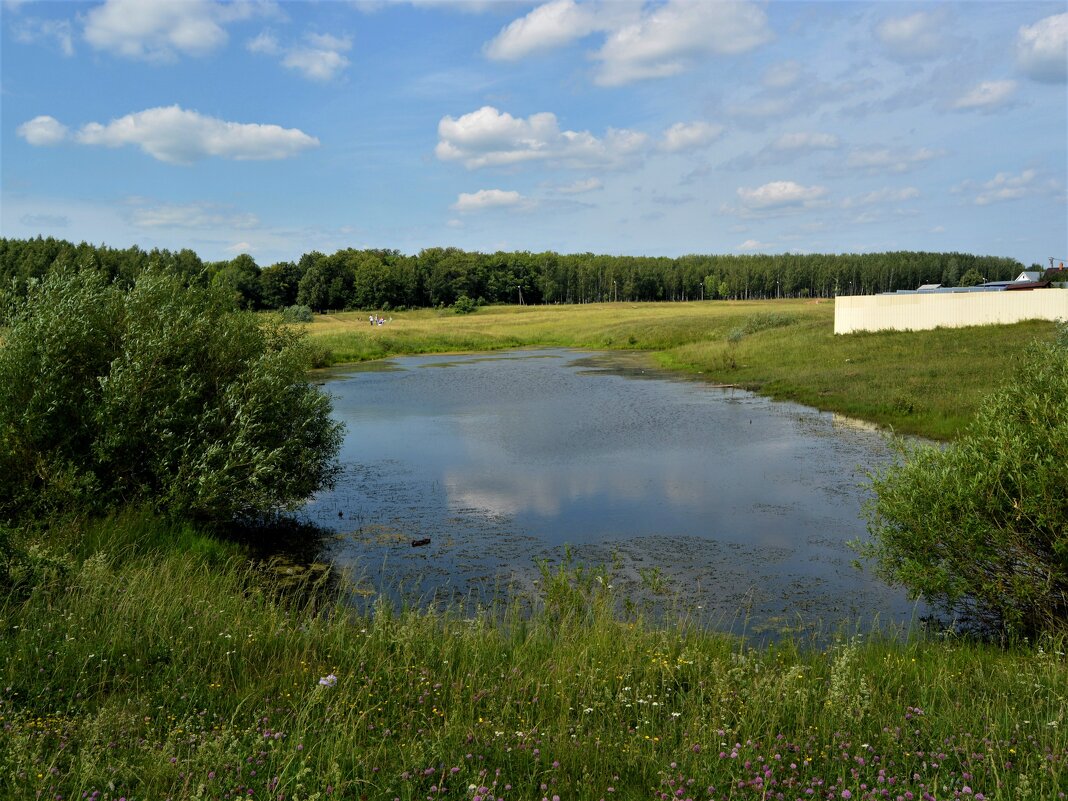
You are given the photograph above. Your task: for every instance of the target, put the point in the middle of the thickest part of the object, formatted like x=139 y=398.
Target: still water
x=738 y=506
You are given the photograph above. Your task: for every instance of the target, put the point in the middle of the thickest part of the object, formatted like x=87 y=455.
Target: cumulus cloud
x=641 y=40
x=43 y=131
x=1042 y=49
x=1006 y=186
x=668 y=37
x=489 y=137
x=265 y=43
x=880 y=196
x=178 y=136
x=684 y=136
x=987 y=96
x=917 y=37
x=780 y=194
x=884 y=159
x=161 y=29
x=486 y=199
x=547 y=26
x=320 y=58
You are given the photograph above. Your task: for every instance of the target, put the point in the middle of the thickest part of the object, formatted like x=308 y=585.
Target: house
x=1029 y=276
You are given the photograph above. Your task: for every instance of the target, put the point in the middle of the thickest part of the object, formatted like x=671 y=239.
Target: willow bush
x=980 y=528
x=164 y=395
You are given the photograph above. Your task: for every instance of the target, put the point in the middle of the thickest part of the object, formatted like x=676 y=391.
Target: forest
x=435 y=277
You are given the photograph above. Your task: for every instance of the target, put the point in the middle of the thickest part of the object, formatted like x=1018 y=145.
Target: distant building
x=1028 y=276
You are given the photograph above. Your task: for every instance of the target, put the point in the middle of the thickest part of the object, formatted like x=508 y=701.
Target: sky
x=610 y=126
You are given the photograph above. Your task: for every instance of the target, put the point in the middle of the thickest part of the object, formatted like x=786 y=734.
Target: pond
x=738 y=507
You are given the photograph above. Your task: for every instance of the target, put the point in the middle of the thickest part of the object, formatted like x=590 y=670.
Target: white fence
x=923 y=311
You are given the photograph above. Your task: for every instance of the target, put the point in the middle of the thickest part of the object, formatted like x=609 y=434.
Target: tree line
x=388 y=279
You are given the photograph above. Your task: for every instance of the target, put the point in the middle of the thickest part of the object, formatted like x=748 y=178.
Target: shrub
x=164 y=395
x=981 y=527
x=297 y=314
x=464 y=305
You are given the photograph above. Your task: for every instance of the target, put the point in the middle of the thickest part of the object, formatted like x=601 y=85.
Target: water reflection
x=743 y=503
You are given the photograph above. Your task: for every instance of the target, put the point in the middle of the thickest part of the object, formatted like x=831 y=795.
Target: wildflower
x=328 y=681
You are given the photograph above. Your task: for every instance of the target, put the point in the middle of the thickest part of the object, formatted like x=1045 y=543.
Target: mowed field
x=927 y=383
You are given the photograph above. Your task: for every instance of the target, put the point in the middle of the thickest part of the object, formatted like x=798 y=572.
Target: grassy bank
x=926 y=383
x=150 y=662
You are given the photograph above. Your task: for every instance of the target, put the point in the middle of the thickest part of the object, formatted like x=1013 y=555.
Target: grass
x=144 y=660
x=927 y=383
x=136 y=666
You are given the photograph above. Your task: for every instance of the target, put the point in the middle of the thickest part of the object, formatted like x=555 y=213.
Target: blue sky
x=644 y=128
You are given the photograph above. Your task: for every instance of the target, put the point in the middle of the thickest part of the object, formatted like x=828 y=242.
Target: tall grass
x=928 y=383
x=143 y=670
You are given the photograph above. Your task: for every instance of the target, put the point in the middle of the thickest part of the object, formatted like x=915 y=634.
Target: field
x=927 y=383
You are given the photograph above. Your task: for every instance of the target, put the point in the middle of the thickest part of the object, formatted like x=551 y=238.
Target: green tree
x=278 y=285
x=162 y=395
x=971 y=278
x=241 y=278
x=981 y=527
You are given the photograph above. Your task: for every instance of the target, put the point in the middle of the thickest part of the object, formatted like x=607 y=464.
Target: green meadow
x=145 y=659
x=927 y=383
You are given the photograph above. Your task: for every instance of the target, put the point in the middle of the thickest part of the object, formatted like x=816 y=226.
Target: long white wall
x=946 y=309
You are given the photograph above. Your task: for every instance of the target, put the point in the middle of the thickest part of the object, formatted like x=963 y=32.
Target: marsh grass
x=155 y=670
x=928 y=383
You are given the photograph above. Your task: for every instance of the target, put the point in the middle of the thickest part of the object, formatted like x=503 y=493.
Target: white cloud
x=486 y=199
x=883 y=159
x=690 y=136
x=264 y=43
x=191 y=215
x=1042 y=49
x=780 y=194
x=316 y=63
x=753 y=244
x=789 y=142
x=913 y=38
x=43 y=131
x=782 y=76
x=880 y=196
x=32 y=31
x=547 y=26
x=319 y=57
x=987 y=96
x=669 y=37
x=488 y=137
x=1006 y=186
x=581 y=187
x=158 y=30
x=177 y=136
x=240 y=247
